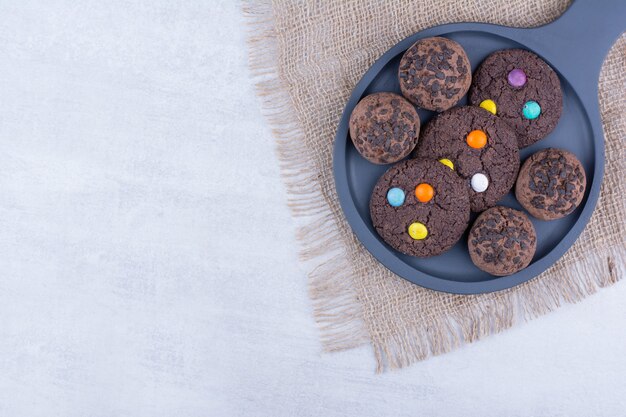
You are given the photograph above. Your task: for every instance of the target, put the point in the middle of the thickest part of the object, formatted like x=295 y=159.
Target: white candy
x=479 y=182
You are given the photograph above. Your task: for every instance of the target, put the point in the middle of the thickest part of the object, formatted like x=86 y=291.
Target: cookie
x=551 y=184
x=420 y=207
x=384 y=127
x=502 y=241
x=522 y=89
x=435 y=73
x=479 y=147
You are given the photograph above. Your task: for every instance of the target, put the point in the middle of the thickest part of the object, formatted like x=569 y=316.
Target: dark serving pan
x=575 y=45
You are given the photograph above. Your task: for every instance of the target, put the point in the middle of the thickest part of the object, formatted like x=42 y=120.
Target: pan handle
x=579 y=40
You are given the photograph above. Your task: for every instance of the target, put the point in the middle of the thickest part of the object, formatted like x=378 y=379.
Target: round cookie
x=420 y=207
x=551 y=184
x=435 y=73
x=502 y=241
x=481 y=148
x=384 y=127
x=522 y=89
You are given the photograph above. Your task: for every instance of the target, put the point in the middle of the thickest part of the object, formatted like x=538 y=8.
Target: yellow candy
x=489 y=105
x=447 y=163
x=418 y=231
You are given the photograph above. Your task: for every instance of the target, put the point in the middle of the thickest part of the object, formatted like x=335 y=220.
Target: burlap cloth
x=308 y=55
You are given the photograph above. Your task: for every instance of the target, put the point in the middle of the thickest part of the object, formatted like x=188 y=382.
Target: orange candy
x=476 y=139
x=424 y=192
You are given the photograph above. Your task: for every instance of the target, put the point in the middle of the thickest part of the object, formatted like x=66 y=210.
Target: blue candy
x=395 y=197
x=531 y=110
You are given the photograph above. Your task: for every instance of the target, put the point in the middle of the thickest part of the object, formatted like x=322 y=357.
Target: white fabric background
x=147 y=259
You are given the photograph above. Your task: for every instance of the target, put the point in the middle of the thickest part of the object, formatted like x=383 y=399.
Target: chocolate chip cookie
x=479 y=147
x=384 y=127
x=519 y=87
x=551 y=184
x=435 y=73
x=502 y=241
x=420 y=207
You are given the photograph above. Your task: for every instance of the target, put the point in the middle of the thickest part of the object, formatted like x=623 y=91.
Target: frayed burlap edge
x=467 y=324
x=337 y=309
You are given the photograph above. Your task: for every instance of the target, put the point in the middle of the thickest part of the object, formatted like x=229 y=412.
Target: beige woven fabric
x=308 y=56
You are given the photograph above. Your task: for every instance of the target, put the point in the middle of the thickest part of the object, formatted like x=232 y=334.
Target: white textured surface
x=148 y=266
